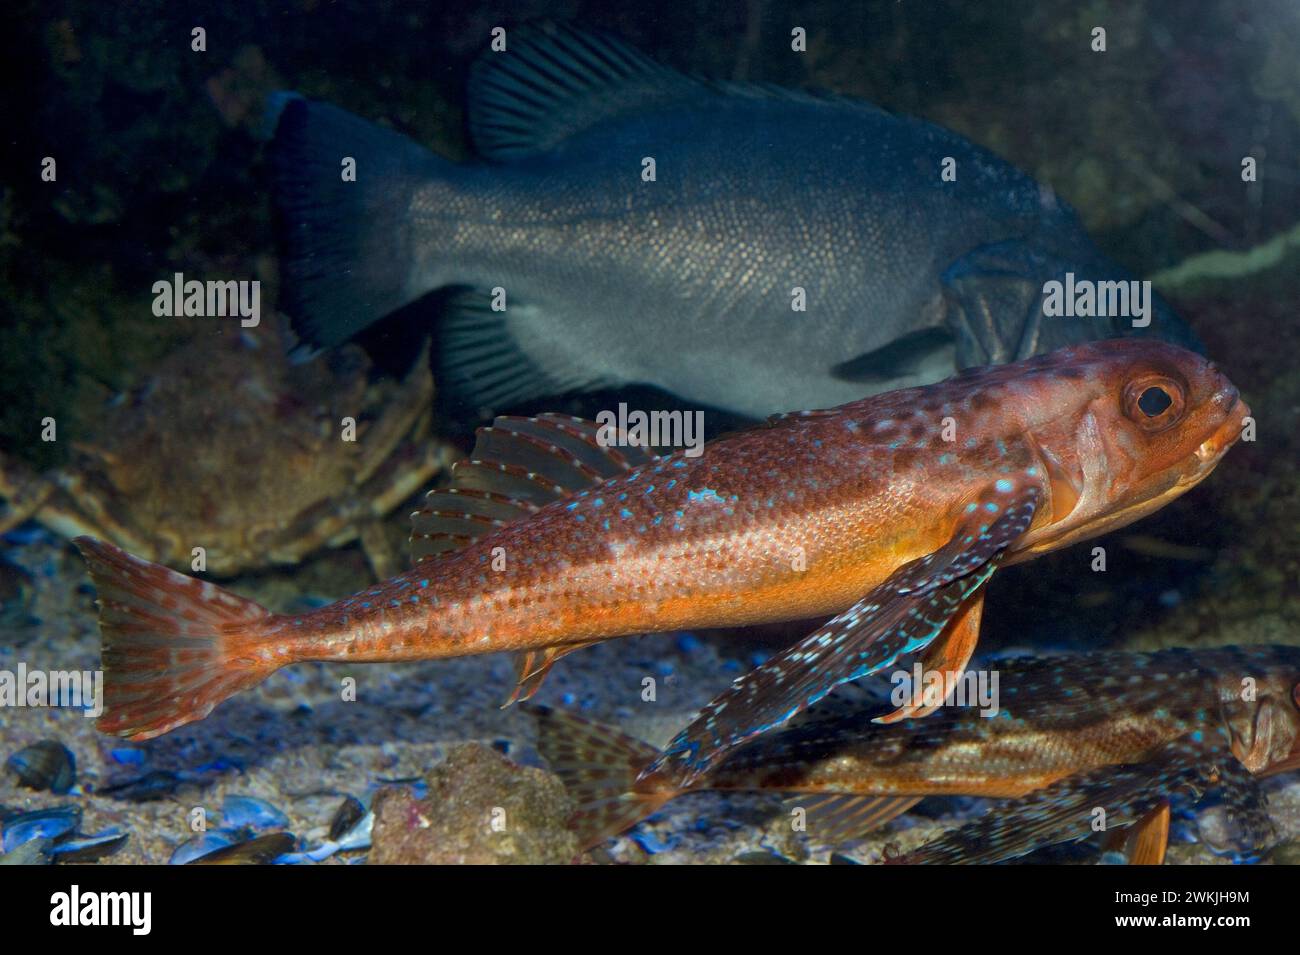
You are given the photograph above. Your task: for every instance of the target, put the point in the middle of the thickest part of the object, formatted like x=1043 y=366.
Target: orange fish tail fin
x=173 y=646
x=599 y=767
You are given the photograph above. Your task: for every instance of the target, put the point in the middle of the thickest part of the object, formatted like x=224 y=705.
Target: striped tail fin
x=599 y=767
x=173 y=646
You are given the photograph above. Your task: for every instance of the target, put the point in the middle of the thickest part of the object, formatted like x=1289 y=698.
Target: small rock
x=482 y=809
x=1288 y=853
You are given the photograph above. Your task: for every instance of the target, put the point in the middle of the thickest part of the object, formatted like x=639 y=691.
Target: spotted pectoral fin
x=834 y=818
x=901 y=616
x=947 y=656
x=518 y=466
x=1073 y=809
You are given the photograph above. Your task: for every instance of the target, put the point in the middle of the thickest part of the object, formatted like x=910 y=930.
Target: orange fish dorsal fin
x=835 y=818
x=518 y=466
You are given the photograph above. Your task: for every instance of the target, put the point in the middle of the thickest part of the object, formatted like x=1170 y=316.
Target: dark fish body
x=687 y=281
x=1058 y=716
x=1116 y=729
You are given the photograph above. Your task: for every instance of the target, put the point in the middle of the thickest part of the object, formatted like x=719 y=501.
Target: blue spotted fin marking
x=518 y=465
x=1066 y=810
x=1000 y=514
x=835 y=818
x=598 y=767
x=901 y=616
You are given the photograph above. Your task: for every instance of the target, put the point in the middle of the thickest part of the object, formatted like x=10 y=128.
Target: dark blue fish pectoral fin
x=911 y=355
x=1075 y=808
x=993 y=297
x=901 y=616
x=481 y=364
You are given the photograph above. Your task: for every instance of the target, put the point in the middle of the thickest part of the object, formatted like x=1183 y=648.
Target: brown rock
x=482 y=809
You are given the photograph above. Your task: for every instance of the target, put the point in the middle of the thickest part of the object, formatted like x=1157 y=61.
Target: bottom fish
x=1116 y=732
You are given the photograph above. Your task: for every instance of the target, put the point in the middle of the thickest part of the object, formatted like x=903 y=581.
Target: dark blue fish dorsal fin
x=481 y=363
x=518 y=466
x=552 y=82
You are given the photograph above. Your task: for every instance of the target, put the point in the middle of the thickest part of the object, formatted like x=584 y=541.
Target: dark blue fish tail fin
x=345 y=199
x=599 y=767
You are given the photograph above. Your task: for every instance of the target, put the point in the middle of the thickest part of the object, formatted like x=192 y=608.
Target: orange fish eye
x=1153 y=401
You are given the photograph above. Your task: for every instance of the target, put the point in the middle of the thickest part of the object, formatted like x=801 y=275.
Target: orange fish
x=890 y=512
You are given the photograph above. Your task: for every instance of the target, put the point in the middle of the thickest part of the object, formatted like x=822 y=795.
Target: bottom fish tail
x=599 y=767
x=173 y=646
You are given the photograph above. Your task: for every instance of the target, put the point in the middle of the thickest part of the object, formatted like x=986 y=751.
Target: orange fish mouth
x=1229 y=433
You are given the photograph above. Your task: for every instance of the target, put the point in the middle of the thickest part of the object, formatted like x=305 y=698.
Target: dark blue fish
x=688 y=282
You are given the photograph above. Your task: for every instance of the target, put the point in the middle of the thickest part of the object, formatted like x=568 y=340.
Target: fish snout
x=1226 y=396
x=1233 y=412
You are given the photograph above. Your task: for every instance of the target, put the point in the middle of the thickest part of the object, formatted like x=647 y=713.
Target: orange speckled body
x=889 y=512
x=793 y=520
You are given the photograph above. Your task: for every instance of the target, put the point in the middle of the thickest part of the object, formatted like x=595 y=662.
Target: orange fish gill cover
x=887 y=514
